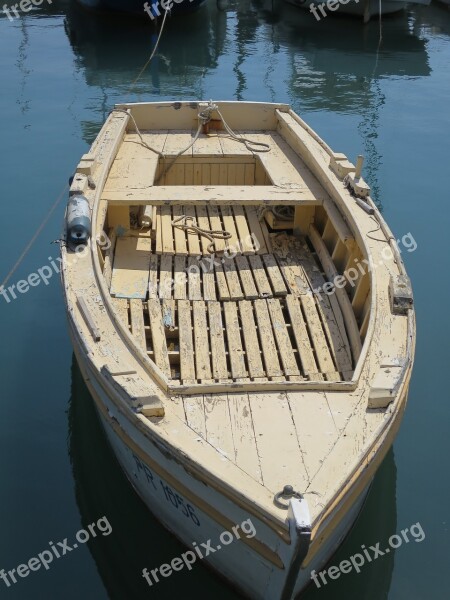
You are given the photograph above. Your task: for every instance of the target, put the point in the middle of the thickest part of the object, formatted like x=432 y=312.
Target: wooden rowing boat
x=242 y=317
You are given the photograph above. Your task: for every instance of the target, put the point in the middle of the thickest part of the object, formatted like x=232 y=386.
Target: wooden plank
x=180 y=278
x=187 y=364
x=221 y=280
x=275 y=276
x=209 y=283
x=216 y=225
x=159 y=242
x=195 y=414
x=194 y=281
x=180 y=234
x=153 y=276
x=231 y=146
x=231 y=174
x=249 y=175
x=269 y=348
x=229 y=225
x=121 y=308
x=167 y=230
x=307 y=408
x=218 y=426
x=244 y=435
x=223 y=195
x=246 y=277
x=192 y=237
x=256 y=230
x=319 y=340
x=235 y=349
x=168 y=316
x=159 y=344
x=137 y=323
x=203 y=223
x=218 y=353
x=201 y=342
x=282 y=338
x=246 y=243
x=293 y=273
x=233 y=282
x=131 y=267
x=207 y=145
x=282 y=461
x=306 y=352
x=255 y=366
x=165 y=276
x=259 y=273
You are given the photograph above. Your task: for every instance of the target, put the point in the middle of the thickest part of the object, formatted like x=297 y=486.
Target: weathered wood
x=180 y=278
x=270 y=355
x=246 y=277
x=252 y=349
x=153 y=276
x=201 y=342
x=167 y=230
x=193 y=238
x=218 y=352
x=229 y=225
x=121 y=308
x=275 y=276
x=194 y=408
x=220 y=195
x=194 y=281
x=216 y=225
x=180 y=234
x=282 y=462
x=282 y=338
x=137 y=323
x=221 y=280
x=259 y=273
x=218 y=426
x=131 y=267
x=165 y=276
x=309 y=366
x=245 y=241
x=235 y=349
x=158 y=336
x=244 y=435
x=233 y=282
x=256 y=228
x=187 y=364
x=317 y=335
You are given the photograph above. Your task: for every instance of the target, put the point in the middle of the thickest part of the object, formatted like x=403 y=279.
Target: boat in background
x=247 y=341
x=138 y=8
x=361 y=8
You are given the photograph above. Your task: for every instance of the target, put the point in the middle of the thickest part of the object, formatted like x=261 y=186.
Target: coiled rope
x=182 y=223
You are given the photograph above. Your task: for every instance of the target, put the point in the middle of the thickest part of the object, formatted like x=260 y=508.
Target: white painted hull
x=243 y=568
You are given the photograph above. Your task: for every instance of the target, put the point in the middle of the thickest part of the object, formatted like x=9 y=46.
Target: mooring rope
x=212 y=234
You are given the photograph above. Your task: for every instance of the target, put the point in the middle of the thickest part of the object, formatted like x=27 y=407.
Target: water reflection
x=138 y=540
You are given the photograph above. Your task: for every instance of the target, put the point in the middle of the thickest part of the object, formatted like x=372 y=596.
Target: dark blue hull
x=155 y=8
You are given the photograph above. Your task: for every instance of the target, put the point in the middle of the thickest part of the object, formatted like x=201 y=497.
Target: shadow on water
x=139 y=541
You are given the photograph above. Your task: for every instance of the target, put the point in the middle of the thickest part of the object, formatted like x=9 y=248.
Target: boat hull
x=136 y=7
x=161 y=482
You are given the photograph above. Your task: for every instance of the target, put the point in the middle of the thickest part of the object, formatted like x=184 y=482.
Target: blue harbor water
x=62 y=70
